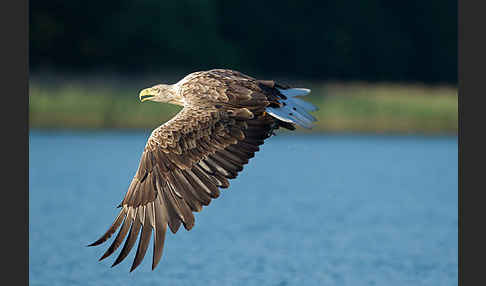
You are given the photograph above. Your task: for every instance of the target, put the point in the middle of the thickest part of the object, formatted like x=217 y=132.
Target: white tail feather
x=303 y=104
x=294 y=110
x=291 y=92
x=279 y=114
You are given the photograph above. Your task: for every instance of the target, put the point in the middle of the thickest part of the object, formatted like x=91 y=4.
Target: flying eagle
x=226 y=115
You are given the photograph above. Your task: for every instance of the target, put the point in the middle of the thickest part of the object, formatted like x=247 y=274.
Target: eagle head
x=159 y=93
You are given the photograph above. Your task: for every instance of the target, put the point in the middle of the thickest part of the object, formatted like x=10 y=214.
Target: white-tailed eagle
x=226 y=115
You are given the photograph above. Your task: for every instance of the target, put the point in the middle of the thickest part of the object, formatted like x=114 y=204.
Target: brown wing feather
x=187 y=159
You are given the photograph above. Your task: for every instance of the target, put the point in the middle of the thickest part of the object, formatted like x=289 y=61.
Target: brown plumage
x=226 y=116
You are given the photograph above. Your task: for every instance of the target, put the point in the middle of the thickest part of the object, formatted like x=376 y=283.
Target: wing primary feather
x=131 y=193
x=212 y=173
x=121 y=235
x=253 y=141
x=247 y=146
x=224 y=181
x=186 y=214
x=132 y=238
x=205 y=166
x=213 y=193
x=226 y=164
x=136 y=198
x=146 y=190
x=143 y=242
x=210 y=182
x=245 y=154
x=216 y=168
x=173 y=215
x=209 y=175
x=233 y=157
x=160 y=230
x=112 y=229
x=201 y=197
x=180 y=185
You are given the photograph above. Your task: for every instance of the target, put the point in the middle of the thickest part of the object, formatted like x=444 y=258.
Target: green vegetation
x=387 y=108
x=343 y=107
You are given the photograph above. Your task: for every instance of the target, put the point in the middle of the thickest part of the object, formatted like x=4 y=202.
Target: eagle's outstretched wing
x=187 y=160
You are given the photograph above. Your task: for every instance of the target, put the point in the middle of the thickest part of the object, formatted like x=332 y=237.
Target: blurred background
x=378 y=171
x=373 y=66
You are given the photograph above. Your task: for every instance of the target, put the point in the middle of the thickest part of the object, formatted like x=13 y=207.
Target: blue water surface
x=307 y=210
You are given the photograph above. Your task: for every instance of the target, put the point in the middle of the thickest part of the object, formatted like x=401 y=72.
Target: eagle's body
x=226 y=116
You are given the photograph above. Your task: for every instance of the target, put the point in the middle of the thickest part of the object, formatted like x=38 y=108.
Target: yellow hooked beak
x=146 y=94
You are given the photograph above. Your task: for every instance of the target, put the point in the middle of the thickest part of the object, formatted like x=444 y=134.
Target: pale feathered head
x=160 y=93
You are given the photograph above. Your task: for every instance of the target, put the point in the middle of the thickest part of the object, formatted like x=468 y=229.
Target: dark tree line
x=341 y=39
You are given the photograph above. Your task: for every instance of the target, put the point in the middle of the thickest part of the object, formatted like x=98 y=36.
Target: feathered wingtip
x=116 y=223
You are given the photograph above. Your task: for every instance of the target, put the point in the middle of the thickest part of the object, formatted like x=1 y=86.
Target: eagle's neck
x=172 y=94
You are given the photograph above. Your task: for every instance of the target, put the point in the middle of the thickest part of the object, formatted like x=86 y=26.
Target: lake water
x=306 y=210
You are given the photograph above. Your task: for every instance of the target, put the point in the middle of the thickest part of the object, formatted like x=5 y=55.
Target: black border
x=471 y=80
x=460 y=78
x=14 y=116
